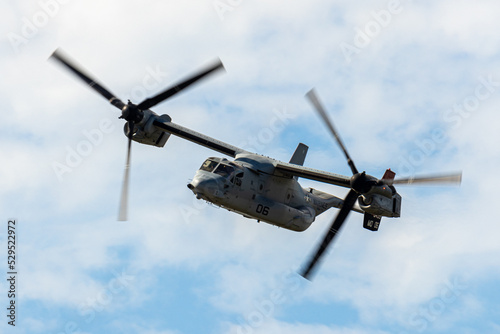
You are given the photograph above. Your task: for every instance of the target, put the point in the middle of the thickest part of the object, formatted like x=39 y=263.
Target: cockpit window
x=208 y=165
x=224 y=170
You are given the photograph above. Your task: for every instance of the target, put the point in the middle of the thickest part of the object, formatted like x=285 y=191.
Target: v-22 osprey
x=256 y=186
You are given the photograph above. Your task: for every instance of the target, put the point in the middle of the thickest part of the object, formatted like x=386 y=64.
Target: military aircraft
x=256 y=186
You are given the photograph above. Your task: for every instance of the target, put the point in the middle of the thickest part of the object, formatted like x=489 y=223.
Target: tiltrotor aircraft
x=255 y=186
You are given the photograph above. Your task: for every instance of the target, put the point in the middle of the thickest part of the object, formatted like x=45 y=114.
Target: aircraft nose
x=203 y=187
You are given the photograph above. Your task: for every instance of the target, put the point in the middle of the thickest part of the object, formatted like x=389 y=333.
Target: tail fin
x=299 y=156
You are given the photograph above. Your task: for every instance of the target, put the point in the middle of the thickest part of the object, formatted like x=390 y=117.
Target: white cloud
x=273 y=326
x=385 y=102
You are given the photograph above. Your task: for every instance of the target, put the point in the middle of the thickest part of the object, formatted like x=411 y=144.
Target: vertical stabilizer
x=299 y=156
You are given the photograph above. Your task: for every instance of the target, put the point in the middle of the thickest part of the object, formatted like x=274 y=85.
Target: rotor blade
x=321 y=111
x=122 y=216
x=152 y=101
x=432 y=179
x=348 y=204
x=63 y=59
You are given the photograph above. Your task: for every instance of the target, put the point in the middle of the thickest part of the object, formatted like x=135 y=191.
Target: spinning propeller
x=360 y=184
x=132 y=113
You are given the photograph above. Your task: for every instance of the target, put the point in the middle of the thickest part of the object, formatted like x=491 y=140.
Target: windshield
x=224 y=170
x=208 y=165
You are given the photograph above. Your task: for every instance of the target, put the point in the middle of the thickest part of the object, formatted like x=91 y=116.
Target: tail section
x=299 y=156
x=322 y=201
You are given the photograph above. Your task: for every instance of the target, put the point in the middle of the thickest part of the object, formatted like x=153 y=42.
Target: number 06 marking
x=262 y=209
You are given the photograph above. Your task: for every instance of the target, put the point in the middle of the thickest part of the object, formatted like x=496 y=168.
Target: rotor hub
x=362 y=183
x=131 y=113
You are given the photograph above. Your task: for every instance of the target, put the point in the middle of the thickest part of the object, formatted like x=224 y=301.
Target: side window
x=238 y=178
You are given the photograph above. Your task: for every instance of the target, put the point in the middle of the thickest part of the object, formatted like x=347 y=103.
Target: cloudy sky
x=411 y=85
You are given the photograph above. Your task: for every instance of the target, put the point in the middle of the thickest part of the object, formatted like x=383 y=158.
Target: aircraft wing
x=198 y=138
x=281 y=168
x=287 y=169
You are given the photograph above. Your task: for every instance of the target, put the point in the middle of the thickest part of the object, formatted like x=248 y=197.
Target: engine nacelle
x=381 y=201
x=146 y=133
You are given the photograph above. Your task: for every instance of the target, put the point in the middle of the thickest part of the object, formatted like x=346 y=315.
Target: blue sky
x=411 y=85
